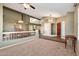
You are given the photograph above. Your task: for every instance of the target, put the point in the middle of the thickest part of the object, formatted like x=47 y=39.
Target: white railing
x=17 y=35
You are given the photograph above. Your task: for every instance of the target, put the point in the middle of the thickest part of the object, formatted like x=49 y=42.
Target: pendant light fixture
x=50 y=19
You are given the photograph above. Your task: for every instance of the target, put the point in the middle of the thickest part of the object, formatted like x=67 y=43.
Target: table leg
x=65 y=44
x=74 y=45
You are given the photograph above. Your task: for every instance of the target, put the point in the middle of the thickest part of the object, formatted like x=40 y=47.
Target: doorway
x=53 y=29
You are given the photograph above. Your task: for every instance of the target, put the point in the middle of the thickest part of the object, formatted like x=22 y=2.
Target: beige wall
x=46 y=27
x=1 y=21
x=10 y=19
x=76 y=21
x=76 y=26
x=69 y=24
x=26 y=20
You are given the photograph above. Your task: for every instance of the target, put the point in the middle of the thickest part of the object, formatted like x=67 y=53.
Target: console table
x=73 y=38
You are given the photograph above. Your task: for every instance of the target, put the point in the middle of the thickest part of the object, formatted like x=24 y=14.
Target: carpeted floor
x=38 y=47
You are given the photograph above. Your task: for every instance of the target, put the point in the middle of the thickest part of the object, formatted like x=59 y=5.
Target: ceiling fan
x=27 y=5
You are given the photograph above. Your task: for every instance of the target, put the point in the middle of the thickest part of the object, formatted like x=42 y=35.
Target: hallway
x=47 y=22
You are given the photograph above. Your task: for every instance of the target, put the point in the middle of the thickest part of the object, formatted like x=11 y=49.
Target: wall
x=69 y=24
x=76 y=21
x=63 y=26
x=34 y=24
x=10 y=19
x=1 y=20
x=42 y=26
x=76 y=27
x=46 y=27
x=62 y=29
x=26 y=20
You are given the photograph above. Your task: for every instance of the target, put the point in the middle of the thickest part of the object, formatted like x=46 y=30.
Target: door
x=59 y=29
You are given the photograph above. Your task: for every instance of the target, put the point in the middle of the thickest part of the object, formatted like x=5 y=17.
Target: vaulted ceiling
x=43 y=9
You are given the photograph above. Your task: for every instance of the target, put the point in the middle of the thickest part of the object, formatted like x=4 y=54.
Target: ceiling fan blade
x=32 y=6
x=29 y=5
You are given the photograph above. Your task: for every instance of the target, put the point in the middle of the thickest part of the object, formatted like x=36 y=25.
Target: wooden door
x=59 y=29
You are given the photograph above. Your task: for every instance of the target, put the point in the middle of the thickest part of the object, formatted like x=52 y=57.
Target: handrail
x=17 y=32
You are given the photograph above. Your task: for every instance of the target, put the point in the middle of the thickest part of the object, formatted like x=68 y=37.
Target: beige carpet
x=39 y=47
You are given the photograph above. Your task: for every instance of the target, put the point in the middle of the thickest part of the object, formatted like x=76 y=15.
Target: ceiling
x=43 y=9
